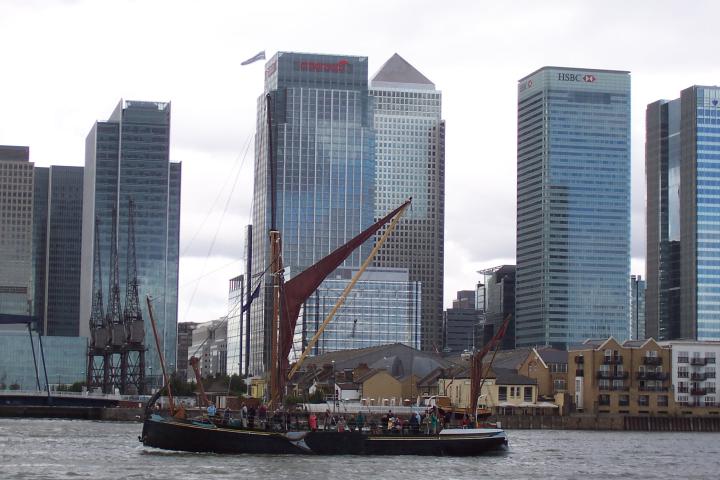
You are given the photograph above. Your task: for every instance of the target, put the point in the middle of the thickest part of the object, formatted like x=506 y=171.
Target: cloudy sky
x=65 y=64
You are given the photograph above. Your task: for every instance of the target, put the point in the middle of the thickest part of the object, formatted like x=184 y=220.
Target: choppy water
x=60 y=449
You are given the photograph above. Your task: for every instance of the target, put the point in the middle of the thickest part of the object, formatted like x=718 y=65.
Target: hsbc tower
x=573 y=206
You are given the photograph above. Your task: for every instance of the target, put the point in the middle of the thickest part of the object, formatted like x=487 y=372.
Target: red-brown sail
x=295 y=291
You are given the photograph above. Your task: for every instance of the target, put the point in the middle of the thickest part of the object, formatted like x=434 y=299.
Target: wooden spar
x=160 y=353
x=275 y=373
x=477 y=377
x=347 y=290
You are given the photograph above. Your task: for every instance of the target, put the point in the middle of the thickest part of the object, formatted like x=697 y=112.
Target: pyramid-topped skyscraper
x=410 y=162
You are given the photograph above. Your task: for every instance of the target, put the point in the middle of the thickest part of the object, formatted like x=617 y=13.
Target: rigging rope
x=217 y=230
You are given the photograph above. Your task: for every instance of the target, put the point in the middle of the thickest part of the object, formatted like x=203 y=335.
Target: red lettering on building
x=340 y=67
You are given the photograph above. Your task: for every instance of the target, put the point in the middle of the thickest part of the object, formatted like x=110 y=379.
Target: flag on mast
x=259 y=56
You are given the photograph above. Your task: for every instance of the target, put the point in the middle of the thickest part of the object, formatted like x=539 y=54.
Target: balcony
x=579 y=359
x=698 y=392
x=698 y=361
x=645 y=388
x=613 y=375
x=682 y=389
x=683 y=360
x=698 y=376
x=651 y=376
x=652 y=361
x=612 y=360
x=579 y=372
x=620 y=388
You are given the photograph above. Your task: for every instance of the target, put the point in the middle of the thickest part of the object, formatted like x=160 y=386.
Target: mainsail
x=294 y=292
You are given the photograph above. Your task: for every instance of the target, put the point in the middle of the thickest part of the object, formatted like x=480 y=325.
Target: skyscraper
x=323 y=185
x=410 y=162
x=461 y=324
x=57 y=239
x=127 y=158
x=235 y=326
x=16 y=230
x=573 y=206
x=499 y=304
x=41 y=189
x=637 y=308
x=683 y=216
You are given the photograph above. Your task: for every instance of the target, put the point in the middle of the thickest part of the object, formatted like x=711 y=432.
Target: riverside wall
x=611 y=422
x=73 y=413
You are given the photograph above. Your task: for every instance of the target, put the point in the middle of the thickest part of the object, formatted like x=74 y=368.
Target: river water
x=72 y=449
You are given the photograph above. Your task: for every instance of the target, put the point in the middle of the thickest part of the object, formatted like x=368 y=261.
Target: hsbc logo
x=576 y=77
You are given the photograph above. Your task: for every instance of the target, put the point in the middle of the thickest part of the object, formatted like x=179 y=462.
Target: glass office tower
x=16 y=230
x=41 y=188
x=573 y=206
x=410 y=162
x=58 y=231
x=127 y=157
x=235 y=326
x=683 y=216
x=383 y=308
x=323 y=165
x=637 y=307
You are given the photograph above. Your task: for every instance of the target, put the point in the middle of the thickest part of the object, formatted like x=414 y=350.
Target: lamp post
x=150 y=379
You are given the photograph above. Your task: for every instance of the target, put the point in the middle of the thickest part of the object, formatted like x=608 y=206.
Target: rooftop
x=397 y=70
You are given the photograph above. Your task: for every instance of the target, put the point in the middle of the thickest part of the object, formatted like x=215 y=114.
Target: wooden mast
x=275 y=249
x=160 y=353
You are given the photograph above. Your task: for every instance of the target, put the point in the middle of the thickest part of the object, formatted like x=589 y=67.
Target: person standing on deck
x=327 y=421
x=433 y=423
x=360 y=421
x=313 y=422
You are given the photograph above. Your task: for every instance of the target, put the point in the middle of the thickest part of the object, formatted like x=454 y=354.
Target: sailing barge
x=203 y=435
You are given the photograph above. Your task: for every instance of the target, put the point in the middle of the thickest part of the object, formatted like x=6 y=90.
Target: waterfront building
x=383 y=308
x=235 y=326
x=499 y=293
x=321 y=180
x=503 y=391
x=461 y=324
x=683 y=216
x=573 y=208
x=637 y=307
x=633 y=377
x=184 y=342
x=127 y=158
x=16 y=230
x=410 y=162
x=547 y=366
x=209 y=345
x=694 y=376
x=65 y=360
x=385 y=374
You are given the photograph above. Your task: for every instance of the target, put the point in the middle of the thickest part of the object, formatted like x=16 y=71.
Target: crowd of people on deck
x=429 y=422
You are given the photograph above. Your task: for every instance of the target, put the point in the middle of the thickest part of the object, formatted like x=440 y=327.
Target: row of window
x=624 y=400
x=505 y=393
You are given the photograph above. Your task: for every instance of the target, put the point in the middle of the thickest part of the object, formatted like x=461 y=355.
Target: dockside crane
x=133 y=355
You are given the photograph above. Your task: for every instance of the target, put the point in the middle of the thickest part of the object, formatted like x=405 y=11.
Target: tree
x=181 y=387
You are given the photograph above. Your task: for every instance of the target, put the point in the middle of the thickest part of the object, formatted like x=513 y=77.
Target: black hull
x=186 y=436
